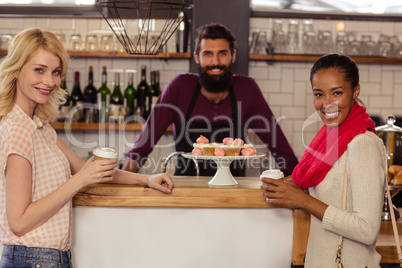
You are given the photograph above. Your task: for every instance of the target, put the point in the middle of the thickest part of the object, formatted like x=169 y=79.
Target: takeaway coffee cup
x=104 y=153
x=275 y=174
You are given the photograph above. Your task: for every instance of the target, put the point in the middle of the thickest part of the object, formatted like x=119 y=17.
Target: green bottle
x=104 y=90
x=130 y=94
x=116 y=98
x=116 y=108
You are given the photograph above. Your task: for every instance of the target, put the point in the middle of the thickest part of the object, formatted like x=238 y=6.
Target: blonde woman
x=39 y=173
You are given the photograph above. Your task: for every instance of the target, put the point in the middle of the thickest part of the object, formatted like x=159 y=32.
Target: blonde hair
x=21 y=49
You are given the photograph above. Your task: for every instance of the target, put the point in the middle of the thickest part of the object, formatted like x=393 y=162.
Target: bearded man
x=214 y=103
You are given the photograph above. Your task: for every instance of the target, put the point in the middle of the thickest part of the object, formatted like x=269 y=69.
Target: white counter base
x=135 y=237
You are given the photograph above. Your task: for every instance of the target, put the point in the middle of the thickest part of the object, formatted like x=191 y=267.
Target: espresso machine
x=392 y=138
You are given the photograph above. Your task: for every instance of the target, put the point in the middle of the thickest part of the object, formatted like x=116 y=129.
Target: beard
x=216 y=83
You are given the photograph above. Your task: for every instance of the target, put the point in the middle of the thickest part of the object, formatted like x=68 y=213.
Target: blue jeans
x=26 y=257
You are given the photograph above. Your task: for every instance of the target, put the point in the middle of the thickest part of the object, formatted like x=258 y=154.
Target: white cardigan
x=360 y=223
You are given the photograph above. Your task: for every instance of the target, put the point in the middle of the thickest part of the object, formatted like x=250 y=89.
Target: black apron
x=218 y=131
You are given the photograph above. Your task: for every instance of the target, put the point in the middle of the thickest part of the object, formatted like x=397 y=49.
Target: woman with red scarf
x=346 y=143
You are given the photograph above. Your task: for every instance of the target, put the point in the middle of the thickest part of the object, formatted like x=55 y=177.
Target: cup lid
x=105 y=152
x=272 y=173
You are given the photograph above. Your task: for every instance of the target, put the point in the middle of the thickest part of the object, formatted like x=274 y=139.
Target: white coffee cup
x=275 y=174
x=104 y=153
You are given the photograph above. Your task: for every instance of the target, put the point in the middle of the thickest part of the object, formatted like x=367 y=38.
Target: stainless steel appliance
x=392 y=138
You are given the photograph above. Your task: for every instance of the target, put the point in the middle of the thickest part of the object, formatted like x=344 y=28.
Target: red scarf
x=328 y=145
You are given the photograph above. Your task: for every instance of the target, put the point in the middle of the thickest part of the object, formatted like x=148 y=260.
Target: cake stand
x=223 y=176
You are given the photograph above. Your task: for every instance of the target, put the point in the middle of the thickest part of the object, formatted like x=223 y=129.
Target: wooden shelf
x=313 y=58
x=97 y=126
x=115 y=54
x=255 y=57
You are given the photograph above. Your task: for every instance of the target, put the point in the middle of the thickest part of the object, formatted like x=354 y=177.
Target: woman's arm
x=24 y=214
x=162 y=182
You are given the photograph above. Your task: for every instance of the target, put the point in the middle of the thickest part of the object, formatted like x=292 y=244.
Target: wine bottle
x=182 y=33
x=116 y=98
x=142 y=92
x=116 y=101
x=130 y=94
x=104 y=93
x=104 y=90
x=90 y=99
x=63 y=85
x=156 y=92
x=90 y=91
x=157 y=84
x=77 y=99
x=66 y=106
x=151 y=90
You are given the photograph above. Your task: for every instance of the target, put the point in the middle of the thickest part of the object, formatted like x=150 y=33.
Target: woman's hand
x=286 y=193
x=283 y=192
x=98 y=171
x=162 y=182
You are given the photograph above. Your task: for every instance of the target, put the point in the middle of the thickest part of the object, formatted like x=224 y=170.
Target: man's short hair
x=214 y=31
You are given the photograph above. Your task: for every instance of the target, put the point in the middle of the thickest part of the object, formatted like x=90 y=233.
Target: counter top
x=188 y=192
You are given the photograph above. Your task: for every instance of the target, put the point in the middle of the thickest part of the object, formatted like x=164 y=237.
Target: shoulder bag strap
x=338 y=259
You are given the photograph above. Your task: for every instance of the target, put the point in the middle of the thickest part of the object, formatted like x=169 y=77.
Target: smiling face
x=37 y=79
x=215 y=64
x=333 y=96
x=214 y=53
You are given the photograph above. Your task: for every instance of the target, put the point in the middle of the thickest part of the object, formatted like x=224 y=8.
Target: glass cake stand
x=223 y=176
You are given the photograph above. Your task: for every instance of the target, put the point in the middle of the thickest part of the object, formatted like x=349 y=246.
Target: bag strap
x=344 y=195
x=391 y=209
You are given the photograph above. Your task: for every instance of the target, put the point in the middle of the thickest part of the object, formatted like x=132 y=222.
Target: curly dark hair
x=214 y=31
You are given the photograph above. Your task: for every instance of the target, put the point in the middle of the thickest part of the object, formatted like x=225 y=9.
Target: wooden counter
x=195 y=192
x=188 y=192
